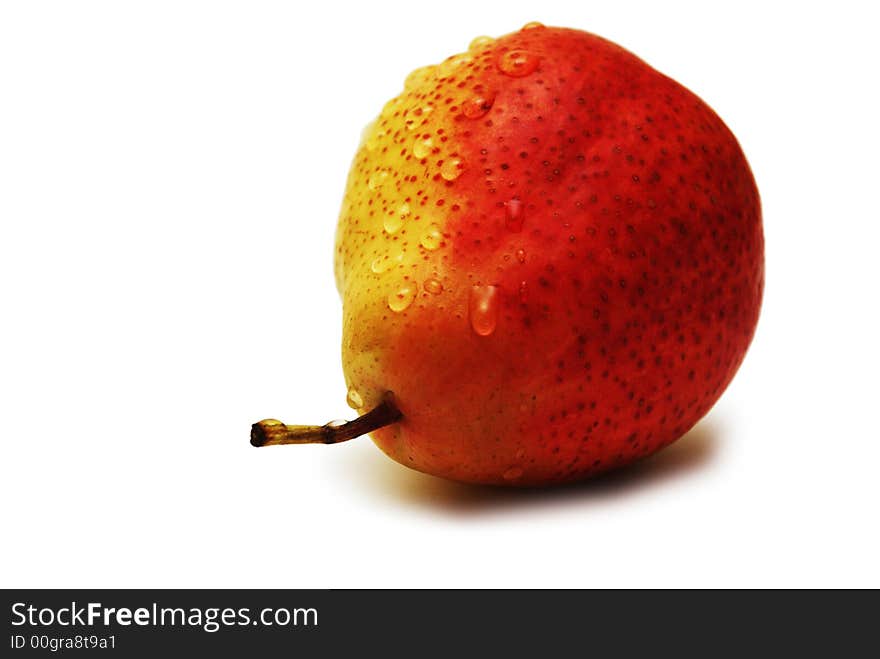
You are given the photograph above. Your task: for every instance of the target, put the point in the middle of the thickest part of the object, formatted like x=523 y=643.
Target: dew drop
x=366 y=132
x=450 y=65
x=433 y=286
x=476 y=106
x=390 y=107
x=403 y=211
x=271 y=422
x=523 y=292
x=371 y=136
x=335 y=423
x=382 y=263
x=402 y=297
x=420 y=113
x=521 y=255
x=451 y=169
x=533 y=25
x=514 y=215
x=353 y=398
x=392 y=223
x=377 y=179
x=422 y=147
x=418 y=76
x=479 y=42
x=483 y=309
x=513 y=473
x=517 y=63
x=432 y=238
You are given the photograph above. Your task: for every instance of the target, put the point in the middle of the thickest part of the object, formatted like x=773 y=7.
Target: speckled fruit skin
x=618 y=222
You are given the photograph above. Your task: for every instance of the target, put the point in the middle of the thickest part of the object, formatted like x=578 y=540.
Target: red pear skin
x=552 y=255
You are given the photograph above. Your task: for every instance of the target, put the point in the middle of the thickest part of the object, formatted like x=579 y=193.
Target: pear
x=551 y=262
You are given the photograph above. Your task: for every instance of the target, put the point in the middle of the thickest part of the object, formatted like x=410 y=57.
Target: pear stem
x=271 y=432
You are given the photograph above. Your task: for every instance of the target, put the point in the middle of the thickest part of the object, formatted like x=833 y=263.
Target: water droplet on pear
x=517 y=63
x=353 y=398
x=432 y=238
x=451 y=169
x=433 y=286
x=400 y=299
x=483 y=309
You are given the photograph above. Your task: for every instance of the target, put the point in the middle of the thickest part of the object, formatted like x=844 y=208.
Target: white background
x=170 y=176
